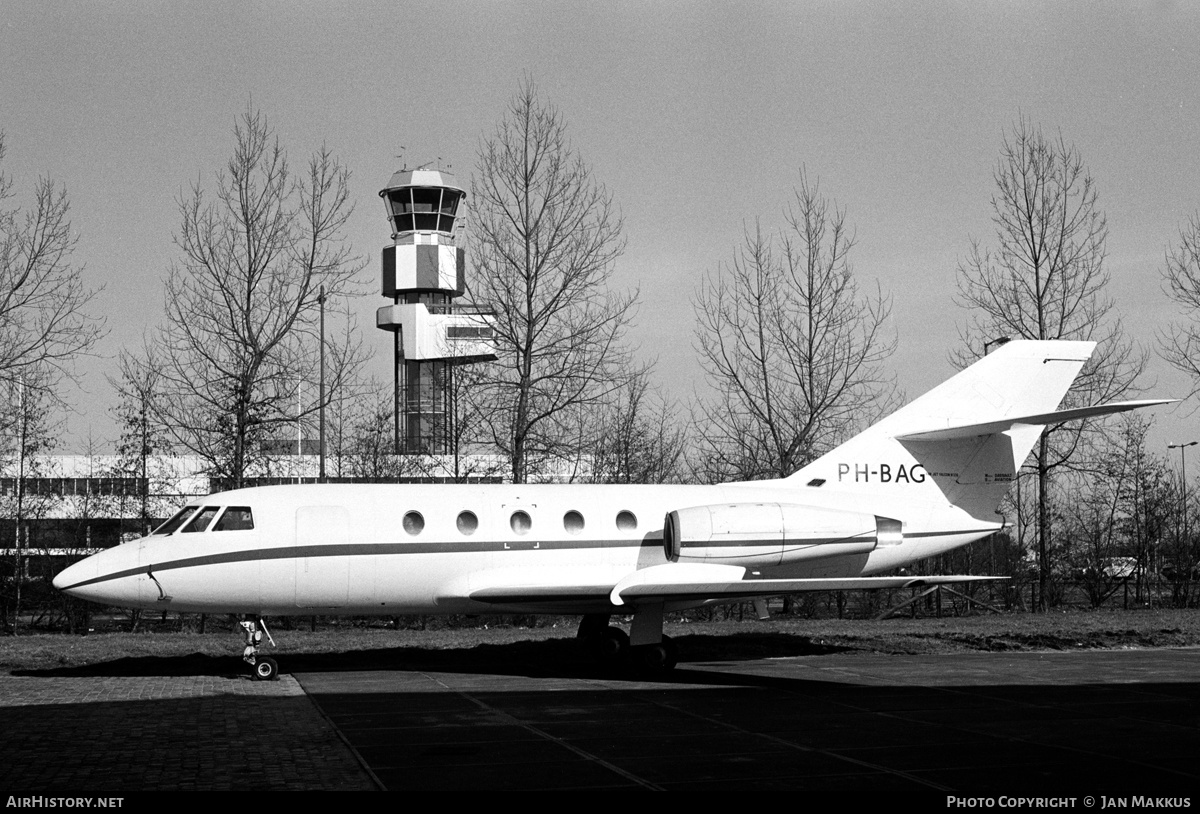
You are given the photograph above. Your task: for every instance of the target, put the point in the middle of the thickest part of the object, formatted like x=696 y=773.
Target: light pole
x=1183 y=464
x=321 y=395
x=1003 y=340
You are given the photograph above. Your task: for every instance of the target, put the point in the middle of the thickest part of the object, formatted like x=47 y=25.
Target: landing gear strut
x=652 y=651
x=645 y=648
x=262 y=668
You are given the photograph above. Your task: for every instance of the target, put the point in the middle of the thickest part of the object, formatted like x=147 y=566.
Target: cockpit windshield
x=236 y=518
x=195 y=519
x=202 y=519
x=175 y=522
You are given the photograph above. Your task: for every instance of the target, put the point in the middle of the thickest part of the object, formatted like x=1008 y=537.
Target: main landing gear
x=644 y=648
x=262 y=668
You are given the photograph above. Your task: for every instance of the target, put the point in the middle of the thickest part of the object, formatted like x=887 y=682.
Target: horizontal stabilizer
x=1041 y=419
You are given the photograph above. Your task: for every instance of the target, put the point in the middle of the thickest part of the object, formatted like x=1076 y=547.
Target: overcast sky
x=696 y=116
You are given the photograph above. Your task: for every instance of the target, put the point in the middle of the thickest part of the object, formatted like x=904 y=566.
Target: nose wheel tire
x=265 y=669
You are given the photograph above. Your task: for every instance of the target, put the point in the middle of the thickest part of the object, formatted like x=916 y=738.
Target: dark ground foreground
x=980 y=706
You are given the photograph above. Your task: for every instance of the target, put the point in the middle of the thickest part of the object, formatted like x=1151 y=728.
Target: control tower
x=423 y=272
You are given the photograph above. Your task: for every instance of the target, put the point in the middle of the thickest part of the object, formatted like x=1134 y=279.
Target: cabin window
x=467 y=522
x=236 y=518
x=414 y=523
x=573 y=522
x=520 y=522
x=176 y=521
x=626 y=521
x=202 y=519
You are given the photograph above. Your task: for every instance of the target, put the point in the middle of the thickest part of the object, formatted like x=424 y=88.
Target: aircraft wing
x=696 y=582
x=751 y=588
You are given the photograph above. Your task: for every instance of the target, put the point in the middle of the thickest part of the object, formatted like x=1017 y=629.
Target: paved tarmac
x=1066 y=723
x=116 y=734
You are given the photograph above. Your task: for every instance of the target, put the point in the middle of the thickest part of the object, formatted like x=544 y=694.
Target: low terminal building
x=70 y=505
x=73 y=504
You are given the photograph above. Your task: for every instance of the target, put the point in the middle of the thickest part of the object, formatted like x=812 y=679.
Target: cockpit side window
x=176 y=521
x=202 y=519
x=236 y=518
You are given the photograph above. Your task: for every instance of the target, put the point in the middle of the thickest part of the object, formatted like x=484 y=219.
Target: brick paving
x=139 y=733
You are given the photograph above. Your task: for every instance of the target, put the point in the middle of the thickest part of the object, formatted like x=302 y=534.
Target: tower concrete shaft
x=424 y=271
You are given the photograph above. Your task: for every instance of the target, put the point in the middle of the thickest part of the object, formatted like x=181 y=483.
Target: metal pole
x=999 y=341
x=1183 y=467
x=144 y=454
x=321 y=409
x=21 y=427
x=1184 y=492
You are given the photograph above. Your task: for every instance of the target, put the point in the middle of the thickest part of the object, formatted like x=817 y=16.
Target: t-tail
x=964 y=441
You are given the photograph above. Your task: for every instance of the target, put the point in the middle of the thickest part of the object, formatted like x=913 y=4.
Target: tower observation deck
x=424 y=270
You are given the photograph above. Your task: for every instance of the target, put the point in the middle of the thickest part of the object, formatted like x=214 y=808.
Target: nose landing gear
x=262 y=668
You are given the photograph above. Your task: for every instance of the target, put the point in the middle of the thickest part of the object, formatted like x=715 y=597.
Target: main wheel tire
x=672 y=651
x=615 y=643
x=610 y=646
x=266 y=669
x=656 y=658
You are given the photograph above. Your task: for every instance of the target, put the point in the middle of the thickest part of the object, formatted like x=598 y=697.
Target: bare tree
x=362 y=443
x=43 y=321
x=367 y=442
x=1095 y=533
x=143 y=437
x=32 y=432
x=242 y=304
x=547 y=236
x=1044 y=279
x=640 y=440
x=1180 y=344
x=795 y=353
x=472 y=453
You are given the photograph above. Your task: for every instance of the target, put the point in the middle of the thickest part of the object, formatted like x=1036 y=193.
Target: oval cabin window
x=520 y=522
x=626 y=521
x=414 y=523
x=467 y=522
x=573 y=522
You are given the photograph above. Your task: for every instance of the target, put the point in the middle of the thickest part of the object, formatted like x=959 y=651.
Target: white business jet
x=924 y=480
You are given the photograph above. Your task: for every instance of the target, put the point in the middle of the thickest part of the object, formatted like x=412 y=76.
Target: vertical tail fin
x=960 y=442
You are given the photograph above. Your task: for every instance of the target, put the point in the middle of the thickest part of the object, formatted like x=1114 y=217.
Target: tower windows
x=426 y=209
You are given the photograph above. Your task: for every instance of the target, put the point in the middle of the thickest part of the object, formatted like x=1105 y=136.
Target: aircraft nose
x=109 y=577
x=72 y=575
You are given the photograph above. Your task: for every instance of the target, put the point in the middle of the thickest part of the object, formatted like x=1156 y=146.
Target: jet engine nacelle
x=763 y=534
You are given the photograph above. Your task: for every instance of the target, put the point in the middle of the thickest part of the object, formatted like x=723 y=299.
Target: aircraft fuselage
x=398 y=549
